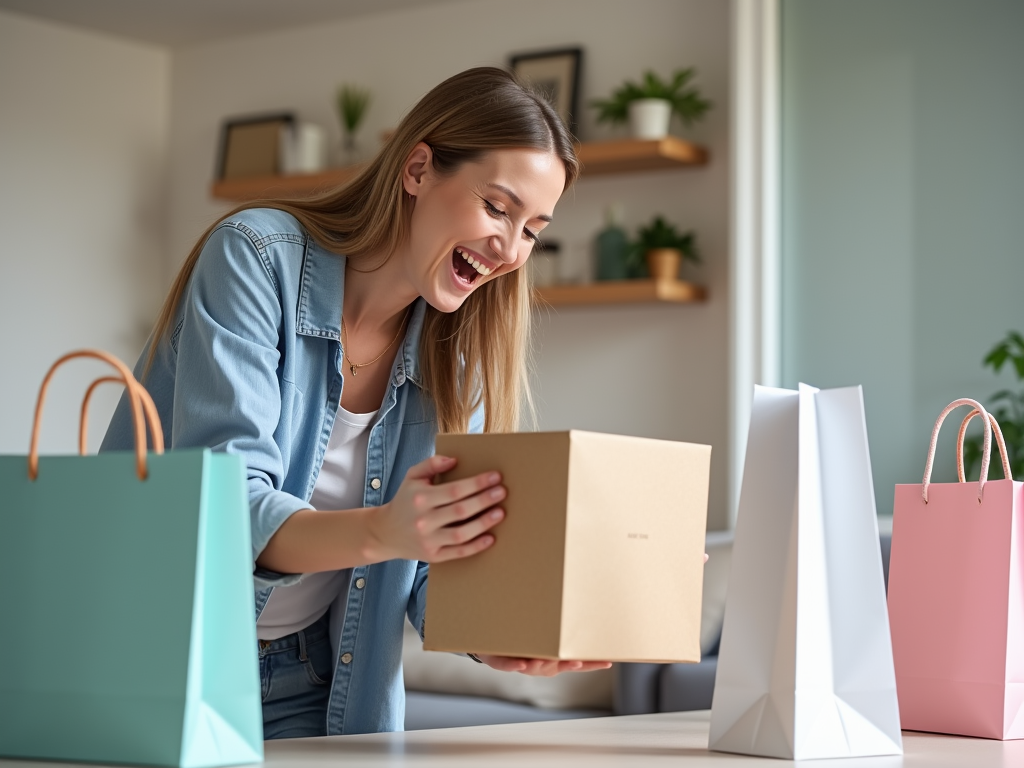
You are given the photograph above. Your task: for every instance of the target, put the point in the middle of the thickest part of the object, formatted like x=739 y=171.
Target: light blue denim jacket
x=253 y=366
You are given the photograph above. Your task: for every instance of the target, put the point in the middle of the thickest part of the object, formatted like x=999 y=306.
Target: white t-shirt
x=338 y=486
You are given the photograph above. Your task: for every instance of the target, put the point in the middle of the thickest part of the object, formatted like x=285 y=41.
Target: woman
x=328 y=341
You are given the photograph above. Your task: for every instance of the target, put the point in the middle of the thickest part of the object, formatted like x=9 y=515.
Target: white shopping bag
x=805 y=667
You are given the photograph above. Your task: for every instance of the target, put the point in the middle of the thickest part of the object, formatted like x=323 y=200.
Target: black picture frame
x=251 y=145
x=556 y=75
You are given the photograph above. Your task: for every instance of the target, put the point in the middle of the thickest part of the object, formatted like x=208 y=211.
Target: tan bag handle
x=134 y=397
x=999 y=441
x=148 y=406
x=986 y=446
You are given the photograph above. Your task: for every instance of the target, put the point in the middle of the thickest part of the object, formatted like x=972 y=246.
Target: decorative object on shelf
x=353 y=102
x=612 y=247
x=661 y=249
x=556 y=75
x=1008 y=407
x=545 y=264
x=303 y=148
x=649 y=105
x=251 y=146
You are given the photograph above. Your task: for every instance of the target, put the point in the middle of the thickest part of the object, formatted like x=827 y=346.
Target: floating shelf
x=622 y=292
x=631 y=155
x=598 y=158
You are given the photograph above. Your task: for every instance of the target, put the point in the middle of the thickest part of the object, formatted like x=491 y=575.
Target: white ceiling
x=182 y=22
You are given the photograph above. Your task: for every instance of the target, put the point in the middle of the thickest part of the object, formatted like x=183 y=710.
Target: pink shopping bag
x=956 y=597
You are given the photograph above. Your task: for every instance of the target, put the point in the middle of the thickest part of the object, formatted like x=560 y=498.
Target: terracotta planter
x=663 y=263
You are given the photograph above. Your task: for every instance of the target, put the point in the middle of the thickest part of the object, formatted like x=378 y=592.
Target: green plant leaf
x=688 y=104
x=997 y=356
x=352 y=104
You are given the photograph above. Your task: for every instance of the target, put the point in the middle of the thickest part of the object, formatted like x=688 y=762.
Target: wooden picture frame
x=251 y=146
x=555 y=74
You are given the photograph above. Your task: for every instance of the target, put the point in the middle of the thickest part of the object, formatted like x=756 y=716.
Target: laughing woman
x=327 y=341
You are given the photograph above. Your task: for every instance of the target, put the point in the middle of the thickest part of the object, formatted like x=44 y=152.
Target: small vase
x=351 y=151
x=612 y=246
x=663 y=263
x=649 y=118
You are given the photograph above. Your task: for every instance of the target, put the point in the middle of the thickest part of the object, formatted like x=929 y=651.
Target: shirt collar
x=322 y=287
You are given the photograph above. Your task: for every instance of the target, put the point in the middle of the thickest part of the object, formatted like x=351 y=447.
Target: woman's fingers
x=479 y=488
x=460 y=534
x=541 y=667
x=451 y=503
x=479 y=544
x=427 y=468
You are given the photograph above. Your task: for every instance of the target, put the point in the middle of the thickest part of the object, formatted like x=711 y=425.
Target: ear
x=417 y=169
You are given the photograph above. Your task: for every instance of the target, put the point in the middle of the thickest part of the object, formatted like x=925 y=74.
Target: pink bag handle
x=985 y=451
x=999 y=441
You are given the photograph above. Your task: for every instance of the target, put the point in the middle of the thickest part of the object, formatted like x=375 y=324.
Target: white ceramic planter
x=649 y=118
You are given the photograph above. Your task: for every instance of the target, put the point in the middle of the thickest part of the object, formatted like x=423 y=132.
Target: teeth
x=477 y=265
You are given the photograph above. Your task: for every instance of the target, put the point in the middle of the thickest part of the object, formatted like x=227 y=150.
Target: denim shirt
x=253 y=366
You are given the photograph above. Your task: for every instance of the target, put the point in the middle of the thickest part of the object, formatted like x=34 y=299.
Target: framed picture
x=251 y=146
x=556 y=75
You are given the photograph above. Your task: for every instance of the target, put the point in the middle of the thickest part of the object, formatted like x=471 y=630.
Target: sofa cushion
x=686 y=687
x=443 y=710
x=433 y=672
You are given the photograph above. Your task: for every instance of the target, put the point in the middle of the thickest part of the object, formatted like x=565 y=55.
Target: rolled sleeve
x=227 y=393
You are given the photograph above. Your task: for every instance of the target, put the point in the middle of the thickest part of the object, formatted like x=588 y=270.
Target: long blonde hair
x=478 y=354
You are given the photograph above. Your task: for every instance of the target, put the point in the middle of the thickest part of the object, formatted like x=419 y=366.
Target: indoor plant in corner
x=648 y=106
x=1007 y=406
x=661 y=248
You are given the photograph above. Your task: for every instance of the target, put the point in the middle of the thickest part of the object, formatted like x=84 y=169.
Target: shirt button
x=375 y=483
x=346 y=658
x=360 y=583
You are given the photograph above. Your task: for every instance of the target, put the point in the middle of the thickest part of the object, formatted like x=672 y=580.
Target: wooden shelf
x=598 y=158
x=631 y=155
x=622 y=292
x=295 y=185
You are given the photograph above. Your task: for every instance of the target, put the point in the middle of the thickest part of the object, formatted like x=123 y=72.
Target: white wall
x=83 y=128
x=646 y=370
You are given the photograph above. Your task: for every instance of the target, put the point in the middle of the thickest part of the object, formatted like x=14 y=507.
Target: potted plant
x=1006 y=406
x=352 y=104
x=662 y=249
x=650 y=104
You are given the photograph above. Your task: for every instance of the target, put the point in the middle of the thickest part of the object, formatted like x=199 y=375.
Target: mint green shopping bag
x=127 y=631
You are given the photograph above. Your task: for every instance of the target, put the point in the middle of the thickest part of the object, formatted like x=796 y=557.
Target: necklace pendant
x=353 y=369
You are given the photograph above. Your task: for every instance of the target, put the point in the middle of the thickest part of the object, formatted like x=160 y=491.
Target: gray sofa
x=636 y=689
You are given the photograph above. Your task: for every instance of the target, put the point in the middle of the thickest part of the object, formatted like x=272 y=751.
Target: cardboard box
x=600 y=556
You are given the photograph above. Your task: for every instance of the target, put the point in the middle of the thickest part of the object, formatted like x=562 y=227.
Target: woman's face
x=479 y=223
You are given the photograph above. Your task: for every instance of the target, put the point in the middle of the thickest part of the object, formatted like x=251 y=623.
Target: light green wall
x=903 y=209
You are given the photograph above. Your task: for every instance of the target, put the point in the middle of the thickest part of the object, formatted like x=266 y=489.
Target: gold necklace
x=354 y=367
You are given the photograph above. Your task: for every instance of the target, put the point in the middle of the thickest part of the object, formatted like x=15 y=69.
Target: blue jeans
x=295 y=677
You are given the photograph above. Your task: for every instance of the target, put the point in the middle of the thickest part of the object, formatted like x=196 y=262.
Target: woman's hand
x=540 y=667
x=434 y=523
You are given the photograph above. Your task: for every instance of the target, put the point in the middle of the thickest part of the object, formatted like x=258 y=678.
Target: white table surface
x=675 y=738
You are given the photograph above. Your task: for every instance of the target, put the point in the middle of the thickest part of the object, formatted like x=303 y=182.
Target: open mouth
x=467 y=266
